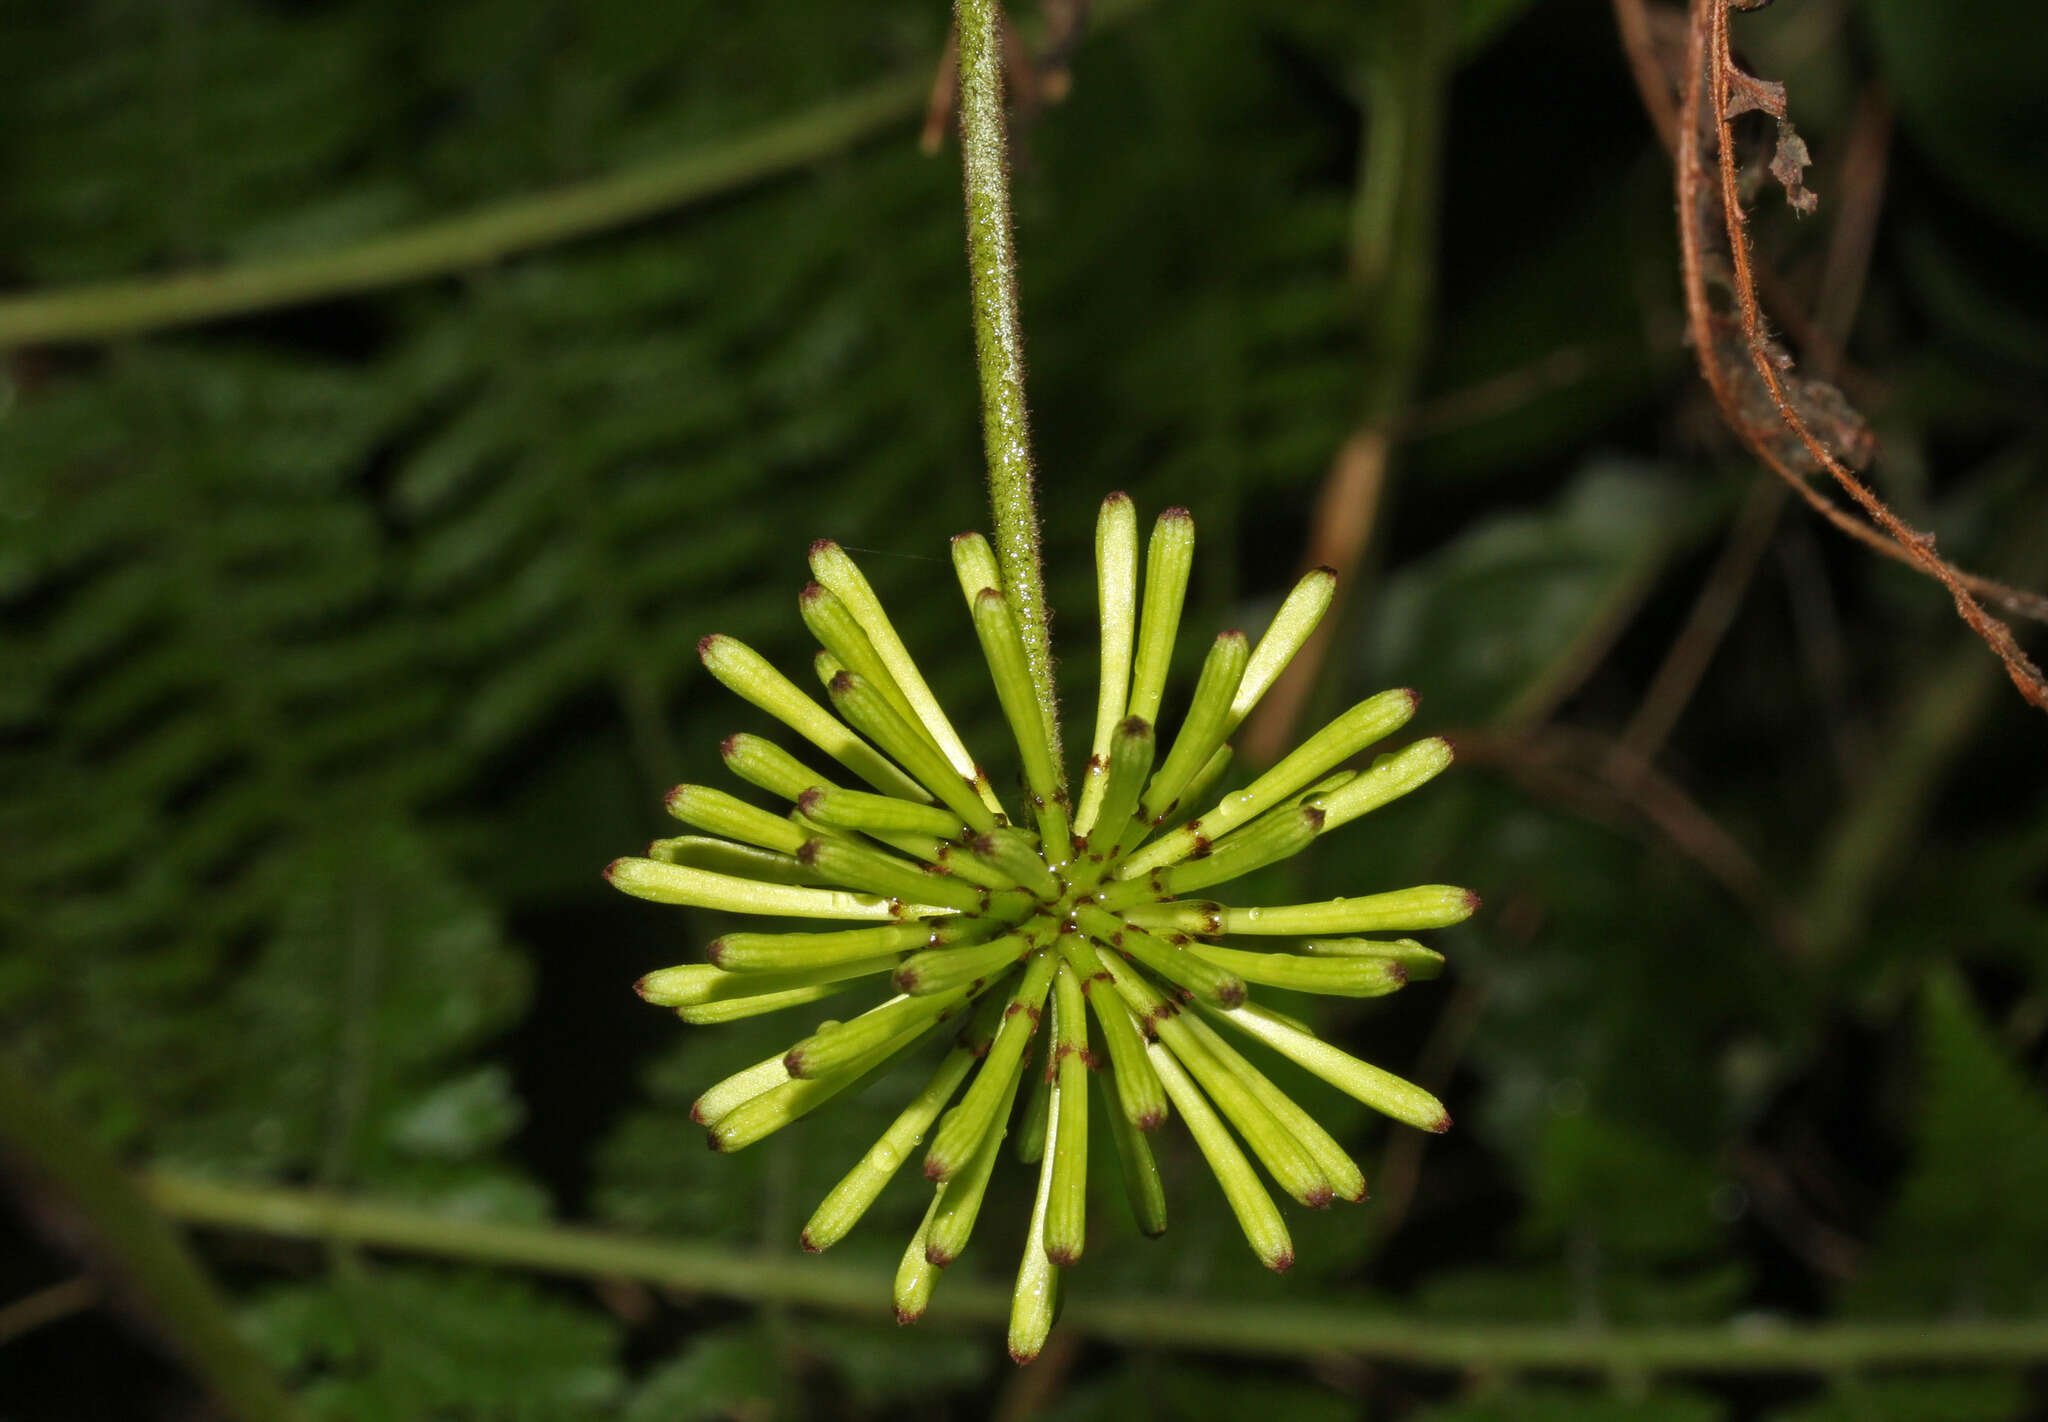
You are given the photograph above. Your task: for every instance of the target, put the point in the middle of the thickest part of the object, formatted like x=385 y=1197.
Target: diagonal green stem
x=114 y=308
x=999 y=339
x=48 y=1154
x=124 y=306
x=1309 y=1328
x=1394 y=216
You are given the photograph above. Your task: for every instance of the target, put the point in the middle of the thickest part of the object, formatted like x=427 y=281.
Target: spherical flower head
x=1075 y=939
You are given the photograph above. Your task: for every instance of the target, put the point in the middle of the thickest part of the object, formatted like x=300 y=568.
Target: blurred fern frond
x=340 y=641
x=285 y=599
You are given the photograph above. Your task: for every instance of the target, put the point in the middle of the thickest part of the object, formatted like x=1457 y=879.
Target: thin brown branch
x=1586 y=651
x=945 y=97
x=1639 y=42
x=1654 y=41
x=1640 y=27
x=1401 y=1167
x=1678 y=675
x=1066 y=21
x=1828 y=1251
x=1020 y=72
x=1501 y=394
x=1864 y=168
x=1866 y=165
x=1348 y=504
x=1342 y=524
x=1595 y=776
x=46 y=1306
x=1710 y=104
x=1031 y=81
x=1030 y=1391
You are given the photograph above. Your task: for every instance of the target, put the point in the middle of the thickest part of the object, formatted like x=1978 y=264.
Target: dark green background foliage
x=342 y=643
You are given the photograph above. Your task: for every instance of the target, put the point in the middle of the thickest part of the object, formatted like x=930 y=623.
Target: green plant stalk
x=999 y=341
x=1392 y=253
x=1394 y=216
x=1309 y=1328
x=1940 y=717
x=98 y=310
x=490 y=233
x=48 y=1151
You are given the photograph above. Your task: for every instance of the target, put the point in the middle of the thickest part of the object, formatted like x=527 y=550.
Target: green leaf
x=1974 y=108
x=1487 y=619
x=1970 y=1223
x=722 y=1373
x=882 y=1368
x=461 y=1117
x=1641 y=1198
x=1480 y=20
x=396 y=1344
x=333 y=1043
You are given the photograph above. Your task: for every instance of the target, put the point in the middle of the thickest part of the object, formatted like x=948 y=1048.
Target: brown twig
x=1583 y=654
x=45 y=1306
x=1827 y=1250
x=1348 y=505
x=1710 y=104
x=1862 y=182
x=1501 y=394
x=1640 y=43
x=1685 y=663
x=1654 y=43
x=1342 y=524
x=1643 y=32
x=1401 y=1167
x=1030 y=1391
x=1065 y=22
x=1020 y=73
x=1031 y=80
x=1866 y=165
x=945 y=99
x=1597 y=777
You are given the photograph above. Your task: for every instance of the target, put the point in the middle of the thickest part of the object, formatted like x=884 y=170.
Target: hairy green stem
x=999 y=339
x=144 y=1254
x=1309 y=1328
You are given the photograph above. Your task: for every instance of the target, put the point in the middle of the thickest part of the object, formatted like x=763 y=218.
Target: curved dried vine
x=1773 y=410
